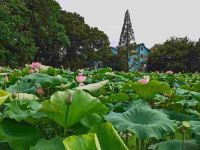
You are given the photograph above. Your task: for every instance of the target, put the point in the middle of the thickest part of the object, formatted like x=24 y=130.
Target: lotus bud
x=81 y=84
x=14 y=94
x=6 y=79
x=62 y=85
x=169 y=72
x=69 y=98
x=18 y=82
x=30 y=71
x=39 y=91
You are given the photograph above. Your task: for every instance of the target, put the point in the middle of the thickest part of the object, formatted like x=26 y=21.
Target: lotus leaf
x=142 y=121
x=66 y=114
x=52 y=144
x=3 y=96
x=19 y=136
x=108 y=137
x=82 y=142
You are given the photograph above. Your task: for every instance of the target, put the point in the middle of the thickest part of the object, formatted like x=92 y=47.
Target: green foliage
x=148 y=91
x=142 y=114
x=53 y=144
x=66 y=114
x=143 y=122
x=3 y=96
x=82 y=142
x=40 y=31
x=24 y=110
x=18 y=135
x=29 y=83
x=176 y=54
x=16 y=40
x=108 y=137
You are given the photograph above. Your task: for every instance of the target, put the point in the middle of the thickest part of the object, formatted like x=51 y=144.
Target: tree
x=126 y=37
x=87 y=44
x=17 y=45
x=49 y=34
x=176 y=54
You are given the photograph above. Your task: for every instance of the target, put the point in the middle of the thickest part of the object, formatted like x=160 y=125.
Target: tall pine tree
x=127 y=37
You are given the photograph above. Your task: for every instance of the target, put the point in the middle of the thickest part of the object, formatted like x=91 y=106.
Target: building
x=138 y=57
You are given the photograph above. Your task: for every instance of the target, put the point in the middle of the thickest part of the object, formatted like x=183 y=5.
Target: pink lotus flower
x=169 y=72
x=39 y=90
x=80 y=78
x=143 y=81
x=35 y=65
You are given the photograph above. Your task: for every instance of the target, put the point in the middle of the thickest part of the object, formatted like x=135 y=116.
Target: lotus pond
x=46 y=108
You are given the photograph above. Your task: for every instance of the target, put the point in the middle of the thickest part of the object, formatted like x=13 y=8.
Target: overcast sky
x=153 y=21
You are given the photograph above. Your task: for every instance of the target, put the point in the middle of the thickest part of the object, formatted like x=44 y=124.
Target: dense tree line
x=176 y=54
x=38 y=30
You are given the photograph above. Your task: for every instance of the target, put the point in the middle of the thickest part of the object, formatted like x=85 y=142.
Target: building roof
x=114 y=49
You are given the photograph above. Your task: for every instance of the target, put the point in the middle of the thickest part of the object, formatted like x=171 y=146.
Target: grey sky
x=153 y=21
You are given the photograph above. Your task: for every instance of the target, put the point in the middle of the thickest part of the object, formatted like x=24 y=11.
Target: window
x=142 y=56
x=141 y=48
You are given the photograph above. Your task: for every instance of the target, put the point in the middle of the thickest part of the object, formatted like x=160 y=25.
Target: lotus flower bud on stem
x=31 y=71
x=62 y=85
x=39 y=91
x=14 y=94
x=6 y=79
x=69 y=98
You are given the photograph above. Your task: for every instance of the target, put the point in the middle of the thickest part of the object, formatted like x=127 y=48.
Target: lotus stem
x=65 y=130
x=126 y=137
x=137 y=144
x=143 y=146
x=183 y=140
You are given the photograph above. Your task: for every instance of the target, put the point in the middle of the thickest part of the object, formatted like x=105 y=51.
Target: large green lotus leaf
x=27 y=84
x=86 y=123
x=23 y=87
x=52 y=144
x=67 y=115
x=143 y=121
x=108 y=137
x=24 y=110
x=176 y=145
x=3 y=96
x=44 y=79
x=93 y=87
x=19 y=136
x=91 y=120
x=195 y=129
x=82 y=142
x=148 y=91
